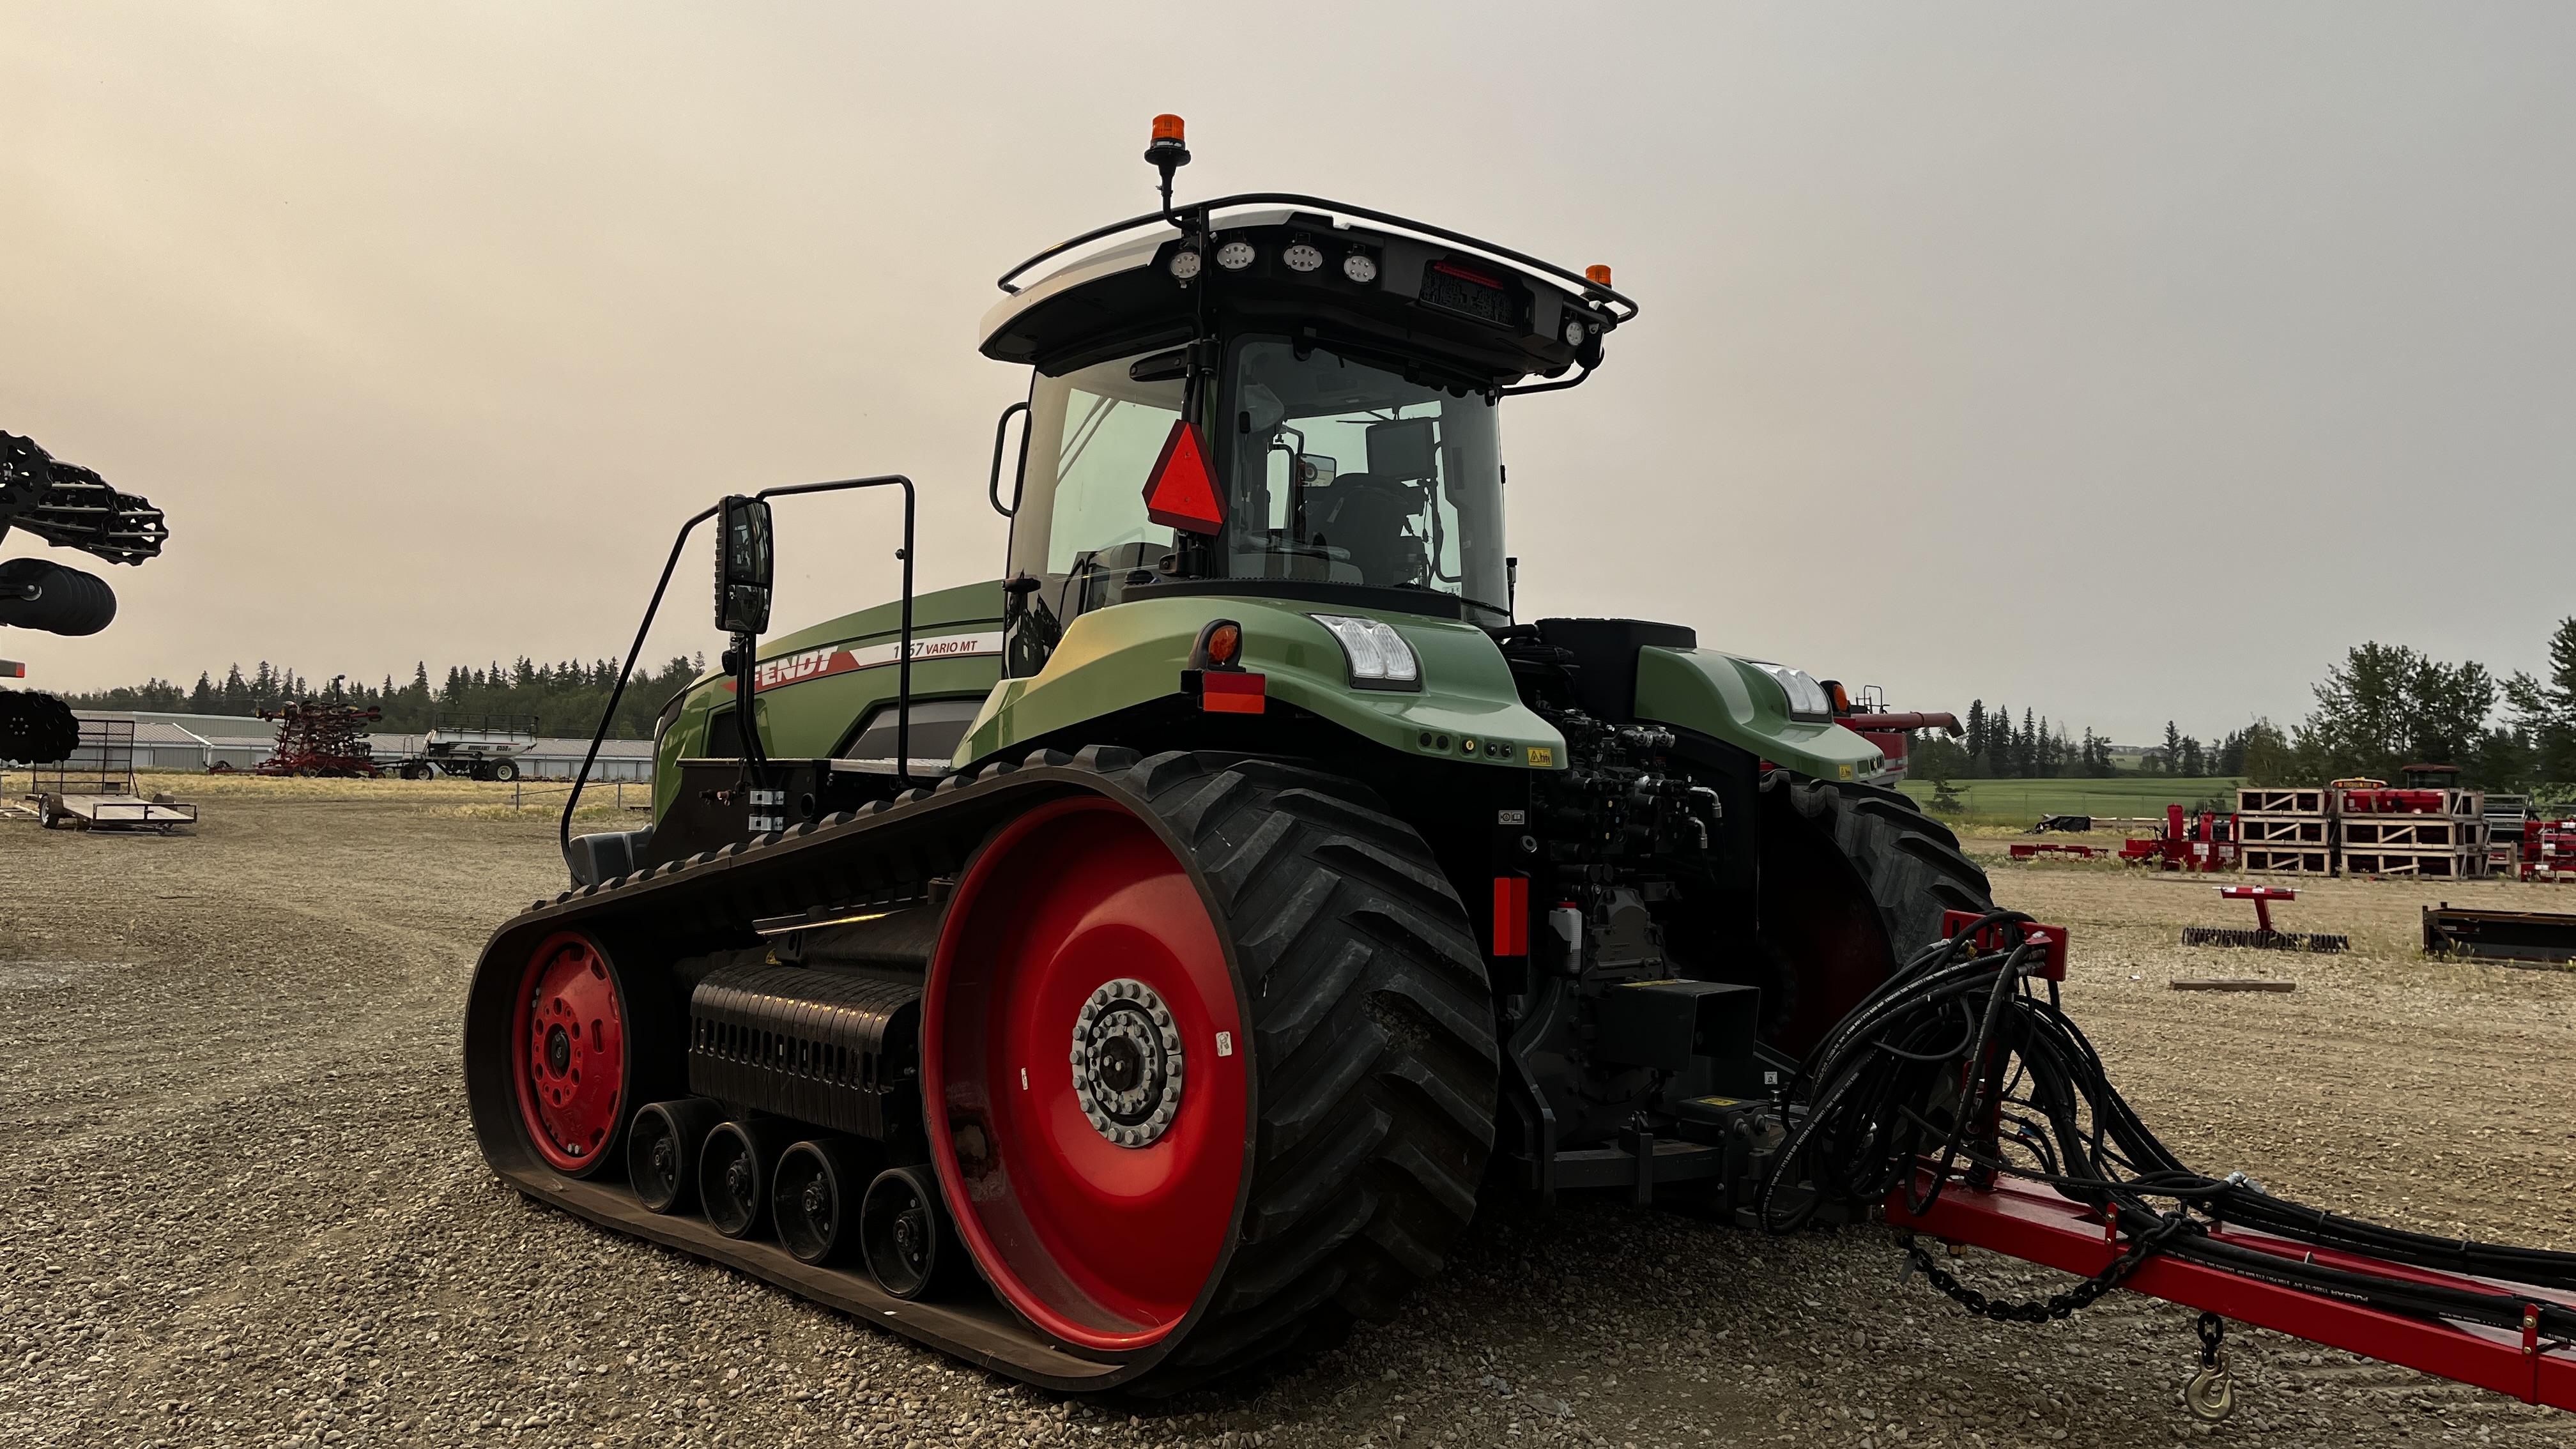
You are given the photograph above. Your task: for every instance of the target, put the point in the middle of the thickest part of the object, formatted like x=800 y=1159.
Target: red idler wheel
x=1084 y=1070
x=569 y=1053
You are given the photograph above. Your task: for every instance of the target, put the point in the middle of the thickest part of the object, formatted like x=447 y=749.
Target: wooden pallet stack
x=2287 y=830
x=2440 y=833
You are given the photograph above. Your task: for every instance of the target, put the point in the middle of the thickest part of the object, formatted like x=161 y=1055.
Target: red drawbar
x=2037 y=1225
x=1511 y=915
x=2050 y=939
x=1181 y=491
x=1225 y=692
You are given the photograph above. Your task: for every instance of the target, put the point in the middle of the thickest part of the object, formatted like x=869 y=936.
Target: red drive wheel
x=1085 y=1065
x=568 y=1053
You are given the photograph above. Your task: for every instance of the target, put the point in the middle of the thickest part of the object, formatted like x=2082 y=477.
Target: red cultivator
x=321 y=739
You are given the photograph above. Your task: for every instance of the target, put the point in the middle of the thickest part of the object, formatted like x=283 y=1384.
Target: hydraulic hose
x=1959 y=1063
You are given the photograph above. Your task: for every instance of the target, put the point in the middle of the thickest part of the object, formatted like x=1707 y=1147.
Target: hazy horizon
x=2126 y=363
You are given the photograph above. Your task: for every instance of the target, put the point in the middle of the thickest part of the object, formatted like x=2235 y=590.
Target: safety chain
x=2059 y=1305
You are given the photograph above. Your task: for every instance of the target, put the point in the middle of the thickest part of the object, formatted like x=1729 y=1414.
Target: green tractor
x=1135 y=967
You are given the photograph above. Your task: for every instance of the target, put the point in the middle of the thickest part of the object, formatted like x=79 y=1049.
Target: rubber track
x=1374 y=1042
x=1910 y=862
x=1372 y=1025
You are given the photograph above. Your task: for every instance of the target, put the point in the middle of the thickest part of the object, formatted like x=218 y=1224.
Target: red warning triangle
x=1181 y=491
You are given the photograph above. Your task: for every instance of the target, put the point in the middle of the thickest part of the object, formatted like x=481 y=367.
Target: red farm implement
x=2205 y=842
x=320 y=739
x=2547 y=851
x=2262 y=937
x=1893 y=733
x=2041 y=1159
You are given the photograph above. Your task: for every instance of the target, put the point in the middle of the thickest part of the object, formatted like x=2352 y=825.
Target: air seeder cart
x=483 y=747
x=1134 y=967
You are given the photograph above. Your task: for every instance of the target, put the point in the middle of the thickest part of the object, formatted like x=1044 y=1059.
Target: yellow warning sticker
x=1847 y=772
x=1543 y=756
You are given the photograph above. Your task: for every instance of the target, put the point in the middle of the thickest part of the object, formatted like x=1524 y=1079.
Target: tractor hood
x=1458 y=311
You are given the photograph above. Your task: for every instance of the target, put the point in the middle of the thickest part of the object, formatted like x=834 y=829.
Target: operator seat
x=1367 y=516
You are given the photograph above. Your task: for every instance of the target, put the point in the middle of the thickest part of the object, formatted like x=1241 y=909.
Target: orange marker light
x=1225 y=641
x=1168 y=128
x=1597 y=274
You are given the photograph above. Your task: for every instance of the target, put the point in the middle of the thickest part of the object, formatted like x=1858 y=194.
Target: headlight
x=1807 y=698
x=1378 y=656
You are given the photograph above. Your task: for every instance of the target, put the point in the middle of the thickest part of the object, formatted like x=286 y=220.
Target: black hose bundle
x=1958 y=1064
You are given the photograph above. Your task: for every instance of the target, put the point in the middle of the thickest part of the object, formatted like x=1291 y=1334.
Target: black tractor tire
x=1374 y=1034
x=1855 y=879
x=36 y=729
x=1374 y=1064
x=505 y=771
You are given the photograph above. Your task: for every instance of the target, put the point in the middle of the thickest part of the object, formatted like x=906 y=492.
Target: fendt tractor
x=1139 y=965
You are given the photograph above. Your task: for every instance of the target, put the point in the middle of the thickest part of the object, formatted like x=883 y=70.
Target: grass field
x=2023 y=801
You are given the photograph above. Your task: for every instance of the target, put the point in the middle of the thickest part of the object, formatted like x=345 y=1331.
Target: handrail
x=903 y=660
x=750 y=719
x=563 y=830
x=1493 y=250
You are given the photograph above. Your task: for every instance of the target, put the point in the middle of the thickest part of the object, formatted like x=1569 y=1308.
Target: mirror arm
x=563 y=832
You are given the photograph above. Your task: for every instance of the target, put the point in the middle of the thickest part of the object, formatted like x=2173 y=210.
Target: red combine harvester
x=2205 y=842
x=1892 y=733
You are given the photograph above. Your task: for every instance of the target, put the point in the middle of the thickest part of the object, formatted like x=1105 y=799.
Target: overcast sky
x=2128 y=362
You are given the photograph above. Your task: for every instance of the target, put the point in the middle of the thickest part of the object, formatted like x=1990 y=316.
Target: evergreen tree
x=2544 y=711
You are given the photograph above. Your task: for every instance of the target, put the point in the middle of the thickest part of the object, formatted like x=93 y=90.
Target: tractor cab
x=1277 y=395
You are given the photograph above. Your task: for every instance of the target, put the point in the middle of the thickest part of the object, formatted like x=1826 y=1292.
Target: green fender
x=824 y=679
x=1114 y=658
x=1733 y=700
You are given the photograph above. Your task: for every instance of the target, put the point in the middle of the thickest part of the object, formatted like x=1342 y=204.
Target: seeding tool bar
x=2039 y=1226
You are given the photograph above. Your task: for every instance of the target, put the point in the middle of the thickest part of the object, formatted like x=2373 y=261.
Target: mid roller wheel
x=814 y=1197
x=571 y=1050
x=735 y=1171
x=906 y=1236
x=662 y=1151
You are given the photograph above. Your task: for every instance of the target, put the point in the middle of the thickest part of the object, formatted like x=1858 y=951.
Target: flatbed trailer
x=160 y=814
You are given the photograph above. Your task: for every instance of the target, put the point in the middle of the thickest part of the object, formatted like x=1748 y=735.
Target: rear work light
x=1377 y=655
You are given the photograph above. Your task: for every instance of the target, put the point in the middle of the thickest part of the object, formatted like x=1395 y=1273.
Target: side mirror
x=744 y=565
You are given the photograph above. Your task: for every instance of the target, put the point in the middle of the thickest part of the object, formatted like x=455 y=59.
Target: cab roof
x=1466 y=312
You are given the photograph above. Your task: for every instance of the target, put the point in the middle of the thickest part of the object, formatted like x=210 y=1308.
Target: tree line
x=1994 y=748
x=564 y=699
x=2387 y=706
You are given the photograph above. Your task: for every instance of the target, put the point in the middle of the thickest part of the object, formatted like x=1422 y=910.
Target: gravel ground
x=242 y=1205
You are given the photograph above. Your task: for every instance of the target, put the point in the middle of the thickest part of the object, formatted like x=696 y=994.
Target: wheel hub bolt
x=558 y=1051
